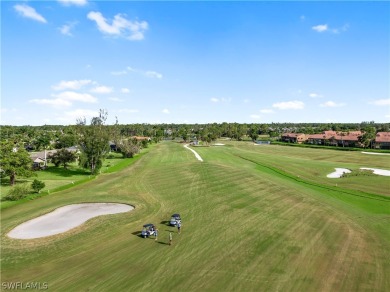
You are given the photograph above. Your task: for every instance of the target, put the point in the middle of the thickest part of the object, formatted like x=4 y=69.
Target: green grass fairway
x=255 y=218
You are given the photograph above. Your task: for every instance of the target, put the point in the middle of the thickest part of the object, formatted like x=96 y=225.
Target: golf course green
x=254 y=218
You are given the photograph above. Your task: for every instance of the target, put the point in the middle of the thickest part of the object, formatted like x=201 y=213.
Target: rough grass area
x=58 y=178
x=254 y=219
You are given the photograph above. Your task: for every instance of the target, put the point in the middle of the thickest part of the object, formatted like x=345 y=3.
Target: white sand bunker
x=64 y=219
x=377 y=171
x=375 y=153
x=196 y=153
x=338 y=173
x=218 y=144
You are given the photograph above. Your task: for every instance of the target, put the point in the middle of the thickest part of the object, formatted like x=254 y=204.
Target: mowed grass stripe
x=243 y=229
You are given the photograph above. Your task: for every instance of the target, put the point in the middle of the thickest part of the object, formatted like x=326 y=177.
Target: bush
x=360 y=172
x=37 y=185
x=17 y=192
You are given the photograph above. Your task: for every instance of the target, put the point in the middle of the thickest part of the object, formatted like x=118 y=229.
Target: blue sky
x=194 y=62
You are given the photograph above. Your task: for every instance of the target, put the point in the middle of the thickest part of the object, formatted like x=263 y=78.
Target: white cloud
x=73 y=2
x=116 y=99
x=128 y=111
x=125 y=90
x=267 y=111
x=332 y=104
x=102 y=89
x=341 y=29
x=320 y=27
x=29 y=12
x=131 y=30
x=150 y=74
x=165 y=111
x=75 y=96
x=7 y=110
x=66 y=28
x=255 y=117
x=74 y=84
x=325 y=27
x=57 y=102
x=381 y=102
x=315 y=95
x=216 y=100
x=289 y=105
x=153 y=74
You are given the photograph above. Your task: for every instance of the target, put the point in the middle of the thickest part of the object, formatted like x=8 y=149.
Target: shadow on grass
x=162 y=242
x=6 y=181
x=61 y=171
x=165 y=222
x=137 y=233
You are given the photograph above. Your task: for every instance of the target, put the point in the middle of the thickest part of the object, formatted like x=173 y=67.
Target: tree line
x=94 y=138
x=55 y=136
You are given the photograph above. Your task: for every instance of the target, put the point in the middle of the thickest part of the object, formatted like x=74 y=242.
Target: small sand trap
x=338 y=173
x=196 y=153
x=378 y=171
x=64 y=219
x=218 y=144
x=375 y=153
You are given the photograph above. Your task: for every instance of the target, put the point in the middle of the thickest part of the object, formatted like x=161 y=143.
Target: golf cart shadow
x=137 y=233
x=165 y=222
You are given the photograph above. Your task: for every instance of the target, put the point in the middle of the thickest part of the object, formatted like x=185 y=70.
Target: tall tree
x=129 y=147
x=63 y=157
x=14 y=161
x=253 y=132
x=93 y=141
x=368 y=137
x=66 y=140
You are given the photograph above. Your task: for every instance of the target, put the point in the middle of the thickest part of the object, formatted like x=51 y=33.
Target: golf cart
x=148 y=230
x=175 y=218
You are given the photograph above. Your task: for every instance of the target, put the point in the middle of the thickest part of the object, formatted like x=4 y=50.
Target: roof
x=382 y=137
x=317 y=136
x=175 y=215
x=148 y=225
x=292 y=135
x=341 y=136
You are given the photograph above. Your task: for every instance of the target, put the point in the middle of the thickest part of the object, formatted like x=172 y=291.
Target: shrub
x=17 y=192
x=360 y=172
x=37 y=185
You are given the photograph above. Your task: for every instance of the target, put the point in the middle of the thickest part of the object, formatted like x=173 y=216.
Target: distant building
x=348 y=139
x=382 y=140
x=294 y=137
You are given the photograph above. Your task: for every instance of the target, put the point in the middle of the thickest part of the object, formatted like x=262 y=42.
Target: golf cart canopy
x=148 y=225
x=176 y=215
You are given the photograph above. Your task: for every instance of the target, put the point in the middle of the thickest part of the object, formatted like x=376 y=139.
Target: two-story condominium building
x=294 y=137
x=382 y=140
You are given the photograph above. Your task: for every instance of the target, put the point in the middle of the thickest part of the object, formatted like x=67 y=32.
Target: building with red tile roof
x=382 y=140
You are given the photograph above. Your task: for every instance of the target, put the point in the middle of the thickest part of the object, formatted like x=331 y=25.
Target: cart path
x=196 y=153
